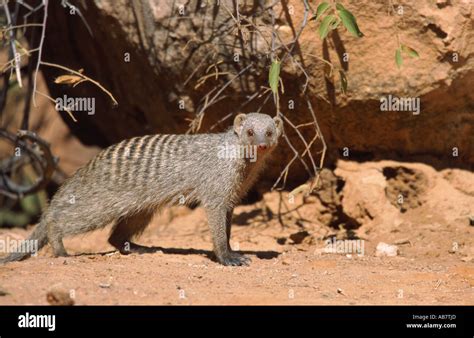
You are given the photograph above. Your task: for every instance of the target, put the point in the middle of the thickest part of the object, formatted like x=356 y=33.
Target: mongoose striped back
x=126 y=183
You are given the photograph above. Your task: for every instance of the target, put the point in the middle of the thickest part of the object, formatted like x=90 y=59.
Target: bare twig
x=43 y=33
x=196 y=124
x=54 y=101
x=275 y=49
x=15 y=56
x=82 y=76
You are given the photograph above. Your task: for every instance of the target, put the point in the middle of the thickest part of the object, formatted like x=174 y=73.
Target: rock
x=371 y=192
x=442 y=3
x=298 y=237
x=406 y=187
x=364 y=194
x=58 y=296
x=384 y=249
x=3 y=292
x=403 y=241
x=165 y=50
x=460 y=179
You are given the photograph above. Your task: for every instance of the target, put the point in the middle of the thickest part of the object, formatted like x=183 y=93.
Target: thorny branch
x=276 y=49
x=247 y=29
x=35 y=151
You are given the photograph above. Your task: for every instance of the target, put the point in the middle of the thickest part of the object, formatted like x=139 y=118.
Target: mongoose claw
x=235 y=259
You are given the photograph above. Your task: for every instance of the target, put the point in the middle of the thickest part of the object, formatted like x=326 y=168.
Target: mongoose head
x=258 y=130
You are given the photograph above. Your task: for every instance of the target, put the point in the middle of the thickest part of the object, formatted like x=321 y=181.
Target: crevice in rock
x=330 y=196
x=437 y=30
x=405 y=187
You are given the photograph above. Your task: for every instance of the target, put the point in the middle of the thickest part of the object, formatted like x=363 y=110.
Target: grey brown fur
x=126 y=183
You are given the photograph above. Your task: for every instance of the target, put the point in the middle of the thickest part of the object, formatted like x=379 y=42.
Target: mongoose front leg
x=228 y=227
x=219 y=224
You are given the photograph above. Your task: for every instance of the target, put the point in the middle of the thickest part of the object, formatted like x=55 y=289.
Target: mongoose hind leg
x=126 y=228
x=55 y=239
x=220 y=221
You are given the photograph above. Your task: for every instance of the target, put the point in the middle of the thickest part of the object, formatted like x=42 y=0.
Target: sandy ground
x=289 y=264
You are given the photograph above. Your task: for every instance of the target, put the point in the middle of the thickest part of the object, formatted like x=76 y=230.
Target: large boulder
x=151 y=54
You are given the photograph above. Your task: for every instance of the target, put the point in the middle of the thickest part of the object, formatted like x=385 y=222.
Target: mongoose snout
x=126 y=183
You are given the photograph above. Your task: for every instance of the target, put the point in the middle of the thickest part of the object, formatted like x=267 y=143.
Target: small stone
x=384 y=249
x=59 y=297
x=105 y=285
x=442 y=3
x=299 y=236
x=403 y=241
x=3 y=292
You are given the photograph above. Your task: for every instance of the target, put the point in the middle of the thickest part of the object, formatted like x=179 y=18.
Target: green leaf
x=398 y=57
x=410 y=51
x=30 y=205
x=335 y=23
x=343 y=77
x=8 y=217
x=322 y=7
x=349 y=21
x=274 y=76
x=325 y=25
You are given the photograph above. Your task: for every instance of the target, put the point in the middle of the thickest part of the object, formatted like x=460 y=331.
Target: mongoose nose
x=262 y=146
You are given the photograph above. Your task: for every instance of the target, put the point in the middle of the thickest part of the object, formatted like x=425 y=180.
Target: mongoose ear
x=279 y=125
x=238 y=122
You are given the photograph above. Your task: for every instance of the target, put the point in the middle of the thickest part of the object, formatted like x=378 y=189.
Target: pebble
x=59 y=297
x=384 y=249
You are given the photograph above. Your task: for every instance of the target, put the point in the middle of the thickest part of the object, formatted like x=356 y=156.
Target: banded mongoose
x=126 y=183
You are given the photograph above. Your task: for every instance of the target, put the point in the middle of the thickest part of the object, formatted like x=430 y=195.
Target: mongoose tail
x=36 y=240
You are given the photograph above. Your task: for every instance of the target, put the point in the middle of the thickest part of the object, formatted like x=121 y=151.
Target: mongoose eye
x=269 y=133
x=250 y=132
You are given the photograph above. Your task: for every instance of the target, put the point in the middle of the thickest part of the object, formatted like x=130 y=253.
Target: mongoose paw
x=235 y=259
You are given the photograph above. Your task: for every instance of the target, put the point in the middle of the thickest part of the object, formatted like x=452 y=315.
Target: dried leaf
x=68 y=79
